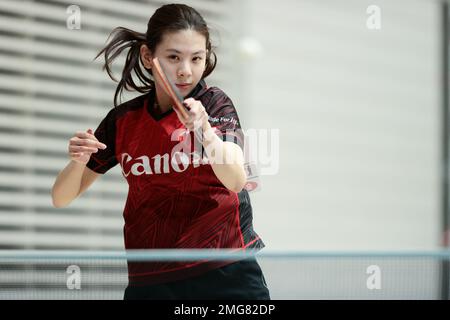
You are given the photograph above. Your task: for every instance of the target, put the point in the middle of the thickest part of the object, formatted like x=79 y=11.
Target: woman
x=185 y=192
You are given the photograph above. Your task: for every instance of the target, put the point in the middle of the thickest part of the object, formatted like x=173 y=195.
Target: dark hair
x=168 y=18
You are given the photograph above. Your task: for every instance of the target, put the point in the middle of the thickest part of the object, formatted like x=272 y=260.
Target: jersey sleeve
x=103 y=160
x=224 y=119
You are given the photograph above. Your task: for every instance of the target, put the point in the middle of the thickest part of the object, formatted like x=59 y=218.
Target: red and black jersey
x=174 y=201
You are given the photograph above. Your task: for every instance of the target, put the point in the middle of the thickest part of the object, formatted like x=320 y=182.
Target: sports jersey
x=174 y=201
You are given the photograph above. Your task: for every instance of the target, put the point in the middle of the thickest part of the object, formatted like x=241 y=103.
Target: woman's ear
x=146 y=56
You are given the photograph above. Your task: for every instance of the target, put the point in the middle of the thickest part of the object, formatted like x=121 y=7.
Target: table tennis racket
x=174 y=94
x=170 y=88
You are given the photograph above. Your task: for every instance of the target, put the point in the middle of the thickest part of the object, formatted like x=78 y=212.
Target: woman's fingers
x=85 y=135
x=82 y=149
x=83 y=144
x=84 y=139
x=90 y=136
x=188 y=102
x=87 y=143
x=197 y=114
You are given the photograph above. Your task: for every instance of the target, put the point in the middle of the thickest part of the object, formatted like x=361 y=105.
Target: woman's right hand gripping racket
x=253 y=181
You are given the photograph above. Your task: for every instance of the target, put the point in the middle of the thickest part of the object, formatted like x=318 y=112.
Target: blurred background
x=353 y=92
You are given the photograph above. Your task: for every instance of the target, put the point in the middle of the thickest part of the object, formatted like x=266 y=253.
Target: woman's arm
x=67 y=184
x=76 y=177
x=226 y=159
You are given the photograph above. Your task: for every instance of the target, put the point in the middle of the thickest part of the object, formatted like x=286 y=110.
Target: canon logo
x=160 y=164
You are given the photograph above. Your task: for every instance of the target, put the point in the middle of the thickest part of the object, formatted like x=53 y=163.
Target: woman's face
x=182 y=54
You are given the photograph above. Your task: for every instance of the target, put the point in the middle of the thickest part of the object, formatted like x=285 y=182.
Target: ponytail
x=124 y=38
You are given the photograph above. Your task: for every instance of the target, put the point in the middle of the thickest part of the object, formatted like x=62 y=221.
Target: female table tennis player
x=177 y=199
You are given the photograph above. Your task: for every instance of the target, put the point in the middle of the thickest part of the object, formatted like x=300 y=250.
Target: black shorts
x=242 y=280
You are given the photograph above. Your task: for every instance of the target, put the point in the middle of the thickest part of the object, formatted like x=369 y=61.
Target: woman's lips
x=183 y=86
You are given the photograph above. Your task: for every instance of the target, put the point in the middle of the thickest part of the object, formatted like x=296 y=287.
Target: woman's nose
x=184 y=71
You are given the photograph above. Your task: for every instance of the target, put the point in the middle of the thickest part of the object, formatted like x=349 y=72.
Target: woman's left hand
x=198 y=117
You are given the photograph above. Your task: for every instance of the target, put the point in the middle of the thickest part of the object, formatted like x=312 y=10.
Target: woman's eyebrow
x=177 y=51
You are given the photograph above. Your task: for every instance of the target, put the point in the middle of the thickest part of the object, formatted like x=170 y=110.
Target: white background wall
x=359 y=114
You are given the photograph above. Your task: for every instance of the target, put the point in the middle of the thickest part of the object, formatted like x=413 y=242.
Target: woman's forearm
x=226 y=159
x=67 y=184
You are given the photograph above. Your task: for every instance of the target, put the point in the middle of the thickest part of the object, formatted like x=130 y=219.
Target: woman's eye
x=176 y=58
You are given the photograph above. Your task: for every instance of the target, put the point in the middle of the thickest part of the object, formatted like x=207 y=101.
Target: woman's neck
x=162 y=105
